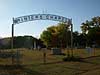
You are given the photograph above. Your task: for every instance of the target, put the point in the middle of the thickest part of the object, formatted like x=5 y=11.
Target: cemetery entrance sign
x=34 y=17
x=40 y=17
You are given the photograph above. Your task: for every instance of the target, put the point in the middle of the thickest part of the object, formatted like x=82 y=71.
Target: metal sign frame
x=40 y=17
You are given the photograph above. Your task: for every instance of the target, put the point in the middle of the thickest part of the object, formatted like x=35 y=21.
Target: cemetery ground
x=31 y=63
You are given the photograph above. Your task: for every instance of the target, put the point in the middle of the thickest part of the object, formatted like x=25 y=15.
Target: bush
x=72 y=58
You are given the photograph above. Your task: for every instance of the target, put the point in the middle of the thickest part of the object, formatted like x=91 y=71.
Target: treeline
x=60 y=35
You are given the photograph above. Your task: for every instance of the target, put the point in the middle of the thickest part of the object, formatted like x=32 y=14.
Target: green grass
x=34 y=65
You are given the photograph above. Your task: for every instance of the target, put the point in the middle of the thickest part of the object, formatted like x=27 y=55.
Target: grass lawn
x=34 y=65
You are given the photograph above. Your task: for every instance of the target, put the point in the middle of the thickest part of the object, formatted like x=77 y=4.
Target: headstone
x=56 y=51
x=89 y=50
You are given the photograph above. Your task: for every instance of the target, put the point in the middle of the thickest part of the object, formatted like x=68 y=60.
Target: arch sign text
x=40 y=17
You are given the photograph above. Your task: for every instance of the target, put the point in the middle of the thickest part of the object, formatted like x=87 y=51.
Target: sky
x=77 y=10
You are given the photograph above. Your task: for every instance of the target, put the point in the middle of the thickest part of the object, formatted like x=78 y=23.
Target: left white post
x=12 y=36
x=12 y=41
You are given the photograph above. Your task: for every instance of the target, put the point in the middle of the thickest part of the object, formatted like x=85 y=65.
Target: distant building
x=21 y=42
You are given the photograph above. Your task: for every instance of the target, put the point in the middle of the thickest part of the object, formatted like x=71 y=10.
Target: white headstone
x=56 y=51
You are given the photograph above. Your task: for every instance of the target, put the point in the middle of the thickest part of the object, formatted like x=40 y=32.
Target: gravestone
x=56 y=51
x=89 y=50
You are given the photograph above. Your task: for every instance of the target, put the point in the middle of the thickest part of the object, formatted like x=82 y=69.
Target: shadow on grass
x=74 y=59
x=91 y=57
x=31 y=72
x=86 y=60
x=22 y=70
x=71 y=59
x=83 y=60
x=17 y=70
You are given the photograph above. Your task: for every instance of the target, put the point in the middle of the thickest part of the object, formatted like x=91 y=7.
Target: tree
x=86 y=26
x=75 y=38
x=91 y=30
x=46 y=38
x=56 y=36
x=64 y=34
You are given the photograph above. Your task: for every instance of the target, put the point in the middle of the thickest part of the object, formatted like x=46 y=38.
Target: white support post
x=12 y=44
x=34 y=44
x=71 y=38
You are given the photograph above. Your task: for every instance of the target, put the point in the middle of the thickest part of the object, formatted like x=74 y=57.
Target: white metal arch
x=34 y=17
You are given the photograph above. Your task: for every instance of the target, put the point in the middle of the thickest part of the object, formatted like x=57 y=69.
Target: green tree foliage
x=92 y=29
x=56 y=36
x=79 y=40
x=64 y=34
x=46 y=37
x=5 y=43
x=75 y=38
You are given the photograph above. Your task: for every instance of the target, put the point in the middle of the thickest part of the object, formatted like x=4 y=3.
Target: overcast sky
x=78 y=10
